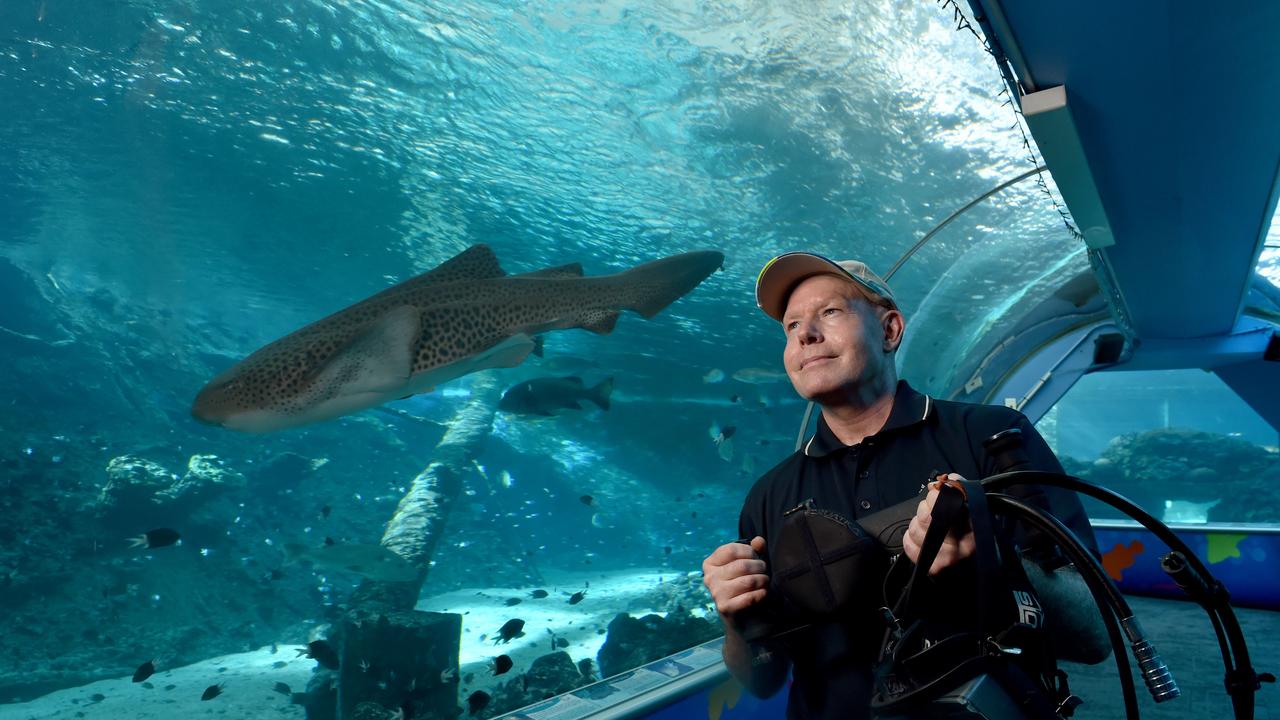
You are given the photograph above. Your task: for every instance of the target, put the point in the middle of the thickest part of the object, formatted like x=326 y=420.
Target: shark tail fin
x=651 y=287
x=601 y=392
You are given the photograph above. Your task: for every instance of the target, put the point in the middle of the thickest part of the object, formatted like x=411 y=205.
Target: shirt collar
x=909 y=408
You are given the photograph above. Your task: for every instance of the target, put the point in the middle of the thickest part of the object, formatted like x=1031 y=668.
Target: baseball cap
x=780 y=276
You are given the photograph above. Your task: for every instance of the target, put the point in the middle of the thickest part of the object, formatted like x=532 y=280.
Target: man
x=877 y=442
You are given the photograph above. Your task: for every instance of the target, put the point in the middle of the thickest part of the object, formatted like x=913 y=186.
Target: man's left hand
x=954 y=548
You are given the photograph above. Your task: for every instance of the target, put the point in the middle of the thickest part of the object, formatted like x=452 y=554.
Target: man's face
x=835 y=339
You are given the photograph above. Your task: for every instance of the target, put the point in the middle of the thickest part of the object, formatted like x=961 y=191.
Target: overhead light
x=1054 y=129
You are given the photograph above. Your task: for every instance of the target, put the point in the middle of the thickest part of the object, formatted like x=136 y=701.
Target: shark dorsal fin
x=477 y=262
x=572 y=270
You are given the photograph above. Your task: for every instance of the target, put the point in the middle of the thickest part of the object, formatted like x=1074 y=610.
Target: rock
x=132 y=483
x=393 y=657
x=633 y=642
x=207 y=477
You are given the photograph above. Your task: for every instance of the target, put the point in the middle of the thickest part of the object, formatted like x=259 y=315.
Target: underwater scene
x=411 y=348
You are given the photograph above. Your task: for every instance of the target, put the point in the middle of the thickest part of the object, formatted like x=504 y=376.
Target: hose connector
x=1155 y=673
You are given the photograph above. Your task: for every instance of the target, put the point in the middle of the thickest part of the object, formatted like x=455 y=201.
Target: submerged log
x=391 y=654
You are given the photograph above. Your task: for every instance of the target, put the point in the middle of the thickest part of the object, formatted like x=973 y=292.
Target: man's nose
x=808 y=333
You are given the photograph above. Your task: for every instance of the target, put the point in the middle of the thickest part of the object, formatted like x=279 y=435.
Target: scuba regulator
x=992 y=660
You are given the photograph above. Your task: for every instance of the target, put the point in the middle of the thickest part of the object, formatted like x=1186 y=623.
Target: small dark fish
x=278 y=664
x=211 y=692
x=283 y=689
x=576 y=598
x=322 y=652
x=587 y=500
x=148 y=686
x=562 y=643
x=513 y=628
x=329 y=542
x=97 y=697
x=477 y=701
x=326 y=510
x=694 y=514
x=275 y=574
x=666 y=549
x=501 y=664
x=468 y=678
x=539 y=593
x=160 y=537
x=512 y=601
x=524 y=679
x=734 y=398
x=144 y=671
x=728 y=431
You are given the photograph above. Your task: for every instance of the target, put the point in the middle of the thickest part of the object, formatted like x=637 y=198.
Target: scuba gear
x=993 y=663
x=1005 y=654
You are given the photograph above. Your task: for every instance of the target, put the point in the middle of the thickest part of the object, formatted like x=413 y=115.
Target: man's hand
x=954 y=548
x=736 y=577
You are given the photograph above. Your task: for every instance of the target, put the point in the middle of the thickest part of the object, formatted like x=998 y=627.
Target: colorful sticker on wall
x=1121 y=558
x=1223 y=546
x=723 y=697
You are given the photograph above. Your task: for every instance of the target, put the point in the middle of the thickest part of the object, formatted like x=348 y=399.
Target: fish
x=465 y=315
x=576 y=598
x=322 y=652
x=714 y=375
x=539 y=593
x=144 y=671
x=512 y=601
x=760 y=376
x=587 y=500
x=501 y=664
x=211 y=692
x=561 y=642
x=722 y=439
x=326 y=510
x=160 y=537
x=513 y=628
x=283 y=689
x=544 y=396
x=477 y=701
x=375 y=562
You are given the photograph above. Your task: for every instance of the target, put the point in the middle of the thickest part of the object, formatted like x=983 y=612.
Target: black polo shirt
x=832 y=663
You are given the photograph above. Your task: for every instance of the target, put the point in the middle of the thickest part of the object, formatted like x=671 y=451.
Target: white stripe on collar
x=810 y=443
x=927 y=401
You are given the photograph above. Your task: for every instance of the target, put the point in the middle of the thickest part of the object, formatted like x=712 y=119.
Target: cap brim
x=780 y=276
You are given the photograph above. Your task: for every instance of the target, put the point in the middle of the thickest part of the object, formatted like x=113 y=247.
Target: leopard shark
x=463 y=316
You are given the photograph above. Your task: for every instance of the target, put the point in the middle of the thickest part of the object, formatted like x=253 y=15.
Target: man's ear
x=893 y=325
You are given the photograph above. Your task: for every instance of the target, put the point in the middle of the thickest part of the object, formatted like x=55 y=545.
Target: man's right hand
x=736 y=576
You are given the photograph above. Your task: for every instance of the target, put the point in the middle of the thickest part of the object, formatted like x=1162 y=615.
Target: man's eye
x=829 y=311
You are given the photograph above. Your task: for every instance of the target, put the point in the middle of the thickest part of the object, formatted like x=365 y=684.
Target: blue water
x=181 y=183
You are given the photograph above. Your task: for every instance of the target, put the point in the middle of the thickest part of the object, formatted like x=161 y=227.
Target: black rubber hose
x=1103 y=590
x=1238 y=651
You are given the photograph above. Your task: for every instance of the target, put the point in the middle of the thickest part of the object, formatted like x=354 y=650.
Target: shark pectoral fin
x=508 y=353
x=600 y=322
x=378 y=360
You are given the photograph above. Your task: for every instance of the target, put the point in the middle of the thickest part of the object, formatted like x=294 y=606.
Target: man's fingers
x=741 y=602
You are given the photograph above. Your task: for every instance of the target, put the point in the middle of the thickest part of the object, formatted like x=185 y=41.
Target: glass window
x=1179 y=443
